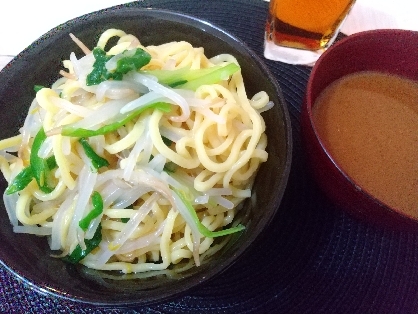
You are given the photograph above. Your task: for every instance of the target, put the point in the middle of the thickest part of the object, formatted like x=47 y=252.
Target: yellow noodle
x=56 y=192
x=213 y=154
x=128 y=140
x=10 y=142
x=106 y=35
x=187 y=162
x=62 y=162
x=22 y=208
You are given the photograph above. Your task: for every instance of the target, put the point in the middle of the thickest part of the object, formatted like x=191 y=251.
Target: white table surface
x=21 y=23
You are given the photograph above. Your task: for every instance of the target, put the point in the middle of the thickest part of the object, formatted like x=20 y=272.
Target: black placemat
x=312 y=259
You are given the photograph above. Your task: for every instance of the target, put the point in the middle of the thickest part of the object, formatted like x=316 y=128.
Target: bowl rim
x=202 y=24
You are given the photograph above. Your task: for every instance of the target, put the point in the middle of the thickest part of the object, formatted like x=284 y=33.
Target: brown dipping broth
x=368 y=123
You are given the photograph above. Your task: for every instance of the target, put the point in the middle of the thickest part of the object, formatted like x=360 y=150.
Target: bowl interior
x=29 y=256
x=386 y=51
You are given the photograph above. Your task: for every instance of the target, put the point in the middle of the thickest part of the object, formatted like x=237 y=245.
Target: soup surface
x=368 y=122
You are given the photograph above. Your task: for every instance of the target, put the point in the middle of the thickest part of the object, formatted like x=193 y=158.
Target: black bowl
x=28 y=257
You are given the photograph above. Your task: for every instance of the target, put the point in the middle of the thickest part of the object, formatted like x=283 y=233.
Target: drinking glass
x=306 y=26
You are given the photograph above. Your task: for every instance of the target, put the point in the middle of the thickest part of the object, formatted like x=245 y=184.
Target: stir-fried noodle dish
x=136 y=158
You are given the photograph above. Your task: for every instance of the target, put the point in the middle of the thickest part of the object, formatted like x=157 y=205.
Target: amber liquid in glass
x=305 y=24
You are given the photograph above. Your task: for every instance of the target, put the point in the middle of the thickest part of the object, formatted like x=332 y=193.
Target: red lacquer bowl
x=388 y=51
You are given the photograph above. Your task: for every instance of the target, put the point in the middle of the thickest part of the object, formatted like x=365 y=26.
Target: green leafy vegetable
x=170 y=167
x=166 y=141
x=127 y=61
x=51 y=162
x=96 y=160
x=178 y=83
x=69 y=130
x=37 y=88
x=175 y=77
x=25 y=177
x=97 y=201
x=99 y=72
x=39 y=166
x=213 y=77
x=202 y=229
x=192 y=79
x=78 y=254
x=21 y=181
x=124 y=220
